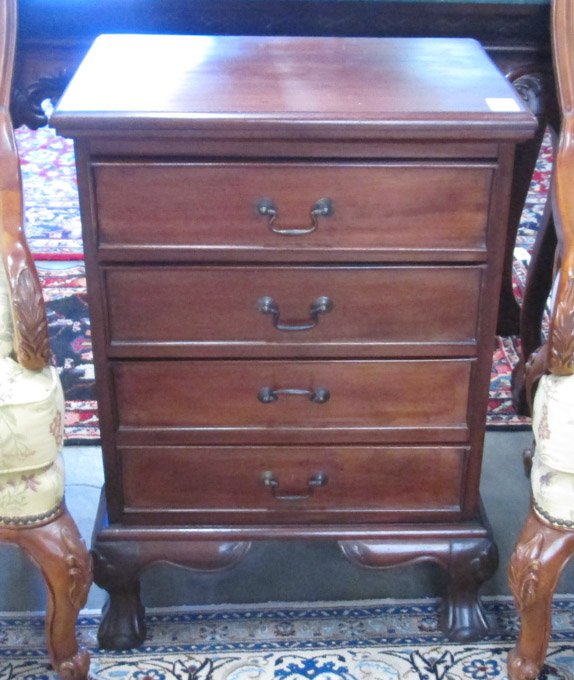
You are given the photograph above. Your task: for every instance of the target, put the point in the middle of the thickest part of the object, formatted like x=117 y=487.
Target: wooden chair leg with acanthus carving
x=57 y=549
x=542 y=553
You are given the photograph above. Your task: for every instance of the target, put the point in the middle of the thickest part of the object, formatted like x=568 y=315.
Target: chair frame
x=545 y=545
x=53 y=543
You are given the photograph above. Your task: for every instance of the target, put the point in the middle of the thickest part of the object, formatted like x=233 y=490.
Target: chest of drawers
x=293 y=251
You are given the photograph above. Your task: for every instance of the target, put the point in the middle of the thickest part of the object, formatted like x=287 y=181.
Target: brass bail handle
x=322 y=305
x=268 y=395
x=268 y=478
x=322 y=208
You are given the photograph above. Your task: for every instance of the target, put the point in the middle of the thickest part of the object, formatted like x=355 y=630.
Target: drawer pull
x=319 y=396
x=319 y=479
x=322 y=208
x=322 y=305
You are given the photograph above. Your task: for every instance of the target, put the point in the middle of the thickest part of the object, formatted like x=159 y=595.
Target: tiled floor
x=286 y=571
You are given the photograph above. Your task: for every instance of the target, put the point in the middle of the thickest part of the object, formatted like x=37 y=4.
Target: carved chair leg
x=540 y=555
x=59 y=552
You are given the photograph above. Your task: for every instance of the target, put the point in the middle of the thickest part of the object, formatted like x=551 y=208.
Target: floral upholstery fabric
x=32 y=496
x=6 y=328
x=31 y=435
x=553 y=465
x=31 y=431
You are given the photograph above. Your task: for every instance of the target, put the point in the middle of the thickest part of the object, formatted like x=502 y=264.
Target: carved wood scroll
x=523 y=571
x=561 y=336
x=30 y=327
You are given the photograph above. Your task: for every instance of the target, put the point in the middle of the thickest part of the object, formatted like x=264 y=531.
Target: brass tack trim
x=29 y=520
x=568 y=524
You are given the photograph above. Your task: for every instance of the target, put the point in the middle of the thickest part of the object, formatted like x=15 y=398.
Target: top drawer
x=295 y=210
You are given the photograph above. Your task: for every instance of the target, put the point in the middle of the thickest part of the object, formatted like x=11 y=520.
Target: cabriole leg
x=540 y=556
x=119 y=564
x=64 y=561
x=468 y=562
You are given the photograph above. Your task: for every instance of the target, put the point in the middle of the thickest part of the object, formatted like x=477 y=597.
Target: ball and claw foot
x=464 y=621
x=117 y=569
x=123 y=620
x=467 y=561
x=469 y=565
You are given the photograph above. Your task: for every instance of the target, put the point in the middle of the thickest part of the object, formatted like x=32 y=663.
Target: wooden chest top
x=340 y=87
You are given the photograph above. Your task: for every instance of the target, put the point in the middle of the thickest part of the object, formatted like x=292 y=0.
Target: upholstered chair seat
x=552 y=474
x=33 y=513
x=31 y=469
x=31 y=432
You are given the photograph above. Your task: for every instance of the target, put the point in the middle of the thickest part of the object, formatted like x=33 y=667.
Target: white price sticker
x=502 y=104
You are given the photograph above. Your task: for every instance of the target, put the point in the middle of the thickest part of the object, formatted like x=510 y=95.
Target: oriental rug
x=53 y=226
x=64 y=286
x=397 y=640
x=54 y=233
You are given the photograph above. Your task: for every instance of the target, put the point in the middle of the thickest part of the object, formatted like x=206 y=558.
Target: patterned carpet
x=340 y=641
x=64 y=284
x=53 y=226
x=54 y=233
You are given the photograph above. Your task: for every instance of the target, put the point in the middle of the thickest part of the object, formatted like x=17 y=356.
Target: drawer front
x=291 y=401
x=226 y=311
x=241 y=207
x=270 y=484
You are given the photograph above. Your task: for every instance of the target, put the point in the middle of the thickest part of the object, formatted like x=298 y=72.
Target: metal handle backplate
x=322 y=208
x=322 y=305
x=268 y=395
x=317 y=480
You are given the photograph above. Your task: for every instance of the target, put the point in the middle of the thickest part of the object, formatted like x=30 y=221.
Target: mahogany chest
x=293 y=251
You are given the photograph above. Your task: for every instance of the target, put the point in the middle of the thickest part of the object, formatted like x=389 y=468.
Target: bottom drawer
x=239 y=485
